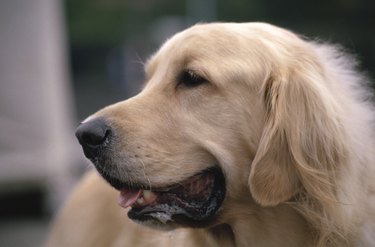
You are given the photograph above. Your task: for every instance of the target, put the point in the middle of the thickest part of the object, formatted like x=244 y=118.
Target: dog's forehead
x=213 y=38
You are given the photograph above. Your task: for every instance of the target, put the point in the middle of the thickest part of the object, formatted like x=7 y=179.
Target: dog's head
x=230 y=113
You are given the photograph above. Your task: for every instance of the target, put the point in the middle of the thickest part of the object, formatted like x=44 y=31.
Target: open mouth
x=192 y=202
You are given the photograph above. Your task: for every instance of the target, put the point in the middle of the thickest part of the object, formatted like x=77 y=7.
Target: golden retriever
x=243 y=135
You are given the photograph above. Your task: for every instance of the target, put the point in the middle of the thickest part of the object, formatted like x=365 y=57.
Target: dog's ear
x=302 y=140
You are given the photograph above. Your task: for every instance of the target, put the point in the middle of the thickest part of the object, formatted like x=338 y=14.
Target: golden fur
x=287 y=120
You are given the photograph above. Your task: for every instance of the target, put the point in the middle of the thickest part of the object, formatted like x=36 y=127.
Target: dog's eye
x=190 y=79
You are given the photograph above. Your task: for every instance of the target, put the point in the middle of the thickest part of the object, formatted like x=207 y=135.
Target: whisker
x=144 y=173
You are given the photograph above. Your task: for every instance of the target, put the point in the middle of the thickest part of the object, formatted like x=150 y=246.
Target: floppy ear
x=302 y=140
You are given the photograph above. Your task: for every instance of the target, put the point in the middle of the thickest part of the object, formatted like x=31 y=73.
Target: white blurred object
x=36 y=122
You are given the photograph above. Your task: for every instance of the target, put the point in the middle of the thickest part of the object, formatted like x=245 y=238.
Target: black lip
x=200 y=215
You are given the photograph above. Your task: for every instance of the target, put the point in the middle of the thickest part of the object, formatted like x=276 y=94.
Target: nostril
x=93 y=133
x=95 y=137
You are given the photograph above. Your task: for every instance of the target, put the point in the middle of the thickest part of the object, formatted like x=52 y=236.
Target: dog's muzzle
x=192 y=202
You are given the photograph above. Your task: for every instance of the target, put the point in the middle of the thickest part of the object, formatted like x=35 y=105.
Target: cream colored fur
x=287 y=120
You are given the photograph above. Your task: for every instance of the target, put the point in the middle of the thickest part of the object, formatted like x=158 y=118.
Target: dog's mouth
x=192 y=202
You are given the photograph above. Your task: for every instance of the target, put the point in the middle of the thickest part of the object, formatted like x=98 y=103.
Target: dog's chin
x=193 y=202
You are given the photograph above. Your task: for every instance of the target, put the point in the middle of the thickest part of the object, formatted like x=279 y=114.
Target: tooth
x=149 y=196
x=140 y=201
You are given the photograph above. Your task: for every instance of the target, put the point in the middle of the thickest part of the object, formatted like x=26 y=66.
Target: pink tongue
x=128 y=197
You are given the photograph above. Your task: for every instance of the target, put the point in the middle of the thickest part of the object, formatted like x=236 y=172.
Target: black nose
x=92 y=135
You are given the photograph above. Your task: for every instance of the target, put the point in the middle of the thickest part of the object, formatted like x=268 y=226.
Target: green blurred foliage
x=109 y=22
x=92 y=21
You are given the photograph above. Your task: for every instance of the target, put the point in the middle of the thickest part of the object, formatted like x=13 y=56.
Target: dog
x=243 y=135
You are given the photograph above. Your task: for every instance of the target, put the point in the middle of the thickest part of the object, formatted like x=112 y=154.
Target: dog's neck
x=267 y=227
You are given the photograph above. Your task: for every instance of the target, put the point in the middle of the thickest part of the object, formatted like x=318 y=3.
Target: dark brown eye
x=190 y=79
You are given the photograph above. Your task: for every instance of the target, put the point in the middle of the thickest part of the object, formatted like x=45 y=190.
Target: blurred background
x=62 y=60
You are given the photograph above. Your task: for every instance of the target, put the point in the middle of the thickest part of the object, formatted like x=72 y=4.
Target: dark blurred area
x=60 y=61
x=109 y=40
